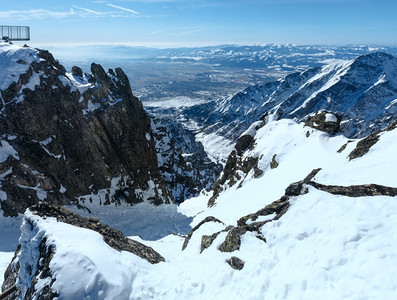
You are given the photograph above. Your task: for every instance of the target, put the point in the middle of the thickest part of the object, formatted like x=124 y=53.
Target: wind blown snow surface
x=325 y=246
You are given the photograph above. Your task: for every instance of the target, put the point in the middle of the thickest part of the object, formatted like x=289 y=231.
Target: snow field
x=333 y=246
x=325 y=246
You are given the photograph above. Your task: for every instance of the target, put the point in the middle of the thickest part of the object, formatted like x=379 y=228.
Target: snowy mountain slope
x=363 y=90
x=283 y=235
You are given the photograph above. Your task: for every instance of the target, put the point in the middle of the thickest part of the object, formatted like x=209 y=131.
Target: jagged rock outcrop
x=237 y=165
x=356 y=190
x=42 y=270
x=190 y=234
x=365 y=144
x=71 y=135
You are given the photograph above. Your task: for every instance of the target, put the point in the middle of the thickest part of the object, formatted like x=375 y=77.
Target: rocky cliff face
x=70 y=137
x=183 y=161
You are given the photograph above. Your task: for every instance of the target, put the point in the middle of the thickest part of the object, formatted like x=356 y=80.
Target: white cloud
x=88 y=10
x=34 y=14
x=123 y=8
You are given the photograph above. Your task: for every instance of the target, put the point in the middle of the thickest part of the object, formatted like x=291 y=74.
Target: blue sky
x=168 y=23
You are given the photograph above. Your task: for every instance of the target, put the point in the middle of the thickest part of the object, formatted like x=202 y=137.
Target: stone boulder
x=324 y=121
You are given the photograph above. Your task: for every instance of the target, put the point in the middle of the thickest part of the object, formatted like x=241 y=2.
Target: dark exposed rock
x=320 y=122
x=296 y=188
x=243 y=143
x=69 y=145
x=230 y=175
x=9 y=294
x=227 y=174
x=206 y=240
x=190 y=234
x=232 y=241
x=356 y=190
x=236 y=263
x=278 y=207
x=364 y=145
x=77 y=71
x=111 y=236
x=343 y=147
x=257 y=172
x=274 y=163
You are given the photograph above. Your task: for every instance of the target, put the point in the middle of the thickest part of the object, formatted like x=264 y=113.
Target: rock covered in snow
x=325 y=121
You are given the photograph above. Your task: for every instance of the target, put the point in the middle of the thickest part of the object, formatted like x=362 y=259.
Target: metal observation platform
x=15 y=33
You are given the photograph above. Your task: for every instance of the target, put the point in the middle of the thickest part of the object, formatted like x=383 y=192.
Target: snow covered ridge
x=70 y=137
x=56 y=244
x=362 y=90
x=318 y=224
x=253 y=156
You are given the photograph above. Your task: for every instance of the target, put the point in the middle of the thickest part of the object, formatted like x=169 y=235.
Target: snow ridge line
x=113 y=237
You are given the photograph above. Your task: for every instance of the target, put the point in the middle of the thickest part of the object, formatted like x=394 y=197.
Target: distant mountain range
x=206 y=73
x=362 y=90
x=271 y=56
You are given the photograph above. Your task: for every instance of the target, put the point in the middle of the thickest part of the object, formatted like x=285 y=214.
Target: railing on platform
x=15 y=33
